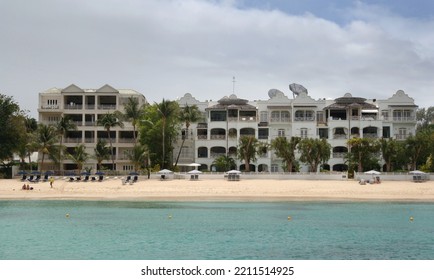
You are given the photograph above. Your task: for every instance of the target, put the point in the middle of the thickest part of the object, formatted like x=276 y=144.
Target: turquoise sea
x=137 y=230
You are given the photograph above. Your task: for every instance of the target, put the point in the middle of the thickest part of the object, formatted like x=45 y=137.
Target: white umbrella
x=194 y=172
x=373 y=172
x=165 y=171
x=416 y=172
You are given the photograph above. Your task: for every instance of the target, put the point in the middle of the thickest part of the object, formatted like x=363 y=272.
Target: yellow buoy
x=67 y=215
x=289 y=218
x=169 y=217
x=411 y=219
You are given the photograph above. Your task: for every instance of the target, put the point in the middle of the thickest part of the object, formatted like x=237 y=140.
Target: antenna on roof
x=233 y=85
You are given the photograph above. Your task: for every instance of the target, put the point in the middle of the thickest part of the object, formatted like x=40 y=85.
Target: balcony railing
x=73 y=106
x=339 y=155
x=218 y=137
x=202 y=137
x=72 y=140
x=126 y=140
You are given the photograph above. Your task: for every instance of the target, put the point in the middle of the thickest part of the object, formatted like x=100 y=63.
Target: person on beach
x=51 y=181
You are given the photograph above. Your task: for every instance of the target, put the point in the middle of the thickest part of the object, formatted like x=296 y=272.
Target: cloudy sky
x=165 y=48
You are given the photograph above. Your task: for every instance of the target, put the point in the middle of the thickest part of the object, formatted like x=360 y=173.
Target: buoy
x=67 y=215
x=169 y=217
x=411 y=219
x=289 y=218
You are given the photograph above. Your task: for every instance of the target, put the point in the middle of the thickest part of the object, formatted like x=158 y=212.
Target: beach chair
x=135 y=179
x=37 y=179
x=31 y=178
x=100 y=178
x=128 y=179
x=93 y=179
x=86 y=178
x=71 y=179
x=23 y=178
x=45 y=178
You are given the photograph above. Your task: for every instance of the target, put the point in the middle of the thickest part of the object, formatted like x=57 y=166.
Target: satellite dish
x=297 y=89
x=275 y=92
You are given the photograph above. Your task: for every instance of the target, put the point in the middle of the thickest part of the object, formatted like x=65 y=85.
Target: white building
x=336 y=120
x=84 y=107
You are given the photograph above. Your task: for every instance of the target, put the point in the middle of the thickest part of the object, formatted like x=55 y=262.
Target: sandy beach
x=220 y=190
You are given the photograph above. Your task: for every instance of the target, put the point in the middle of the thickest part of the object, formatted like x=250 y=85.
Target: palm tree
x=188 y=115
x=390 y=150
x=108 y=121
x=224 y=163
x=166 y=109
x=64 y=125
x=286 y=150
x=314 y=152
x=101 y=152
x=137 y=156
x=79 y=156
x=133 y=112
x=247 y=150
x=46 y=137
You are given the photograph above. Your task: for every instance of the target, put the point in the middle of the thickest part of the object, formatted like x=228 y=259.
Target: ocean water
x=41 y=230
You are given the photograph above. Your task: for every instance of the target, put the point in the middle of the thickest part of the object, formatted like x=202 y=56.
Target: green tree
x=101 y=152
x=390 y=150
x=9 y=132
x=109 y=121
x=363 y=152
x=424 y=117
x=137 y=156
x=285 y=150
x=46 y=139
x=63 y=126
x=166 y=109
x=133 y=113
x=157 y=133
x=224 y=163
x=314 y=152
x=79 y=156
x=188 y=115
x=417 y=148
x=27 y=127
x=247 y=150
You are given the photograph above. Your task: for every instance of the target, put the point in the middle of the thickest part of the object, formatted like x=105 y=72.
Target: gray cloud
x=168 y=48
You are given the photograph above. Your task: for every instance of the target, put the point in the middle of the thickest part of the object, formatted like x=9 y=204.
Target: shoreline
x=220 y=190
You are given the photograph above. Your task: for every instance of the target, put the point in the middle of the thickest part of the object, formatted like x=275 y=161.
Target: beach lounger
x=135 y=179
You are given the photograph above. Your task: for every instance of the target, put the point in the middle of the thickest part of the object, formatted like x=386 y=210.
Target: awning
x=370 y=111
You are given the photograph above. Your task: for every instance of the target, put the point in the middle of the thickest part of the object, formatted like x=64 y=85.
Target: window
x=304 y=115
x=264 y=116
x=281 y=133
x=275 y=116
x=303 y=132
x=385 y=115
x=274 y=168
x=285 y=116
x=402 y=134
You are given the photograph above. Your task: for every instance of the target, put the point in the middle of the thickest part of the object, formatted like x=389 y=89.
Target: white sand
x=216 y=190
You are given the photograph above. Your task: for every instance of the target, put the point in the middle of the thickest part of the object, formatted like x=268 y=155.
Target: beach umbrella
x=36 y=173
x=85 y=173
x=194 y=172
x=417 y=172
x=372 y=172
x=165 y=171
x=22 y=172
x=99 y=173
x=48 y=172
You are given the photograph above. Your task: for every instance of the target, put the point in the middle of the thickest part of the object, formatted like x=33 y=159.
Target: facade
x=84 y=107
x=226 y=120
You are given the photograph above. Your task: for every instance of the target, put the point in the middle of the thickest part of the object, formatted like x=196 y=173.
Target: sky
x=166 y=48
